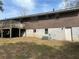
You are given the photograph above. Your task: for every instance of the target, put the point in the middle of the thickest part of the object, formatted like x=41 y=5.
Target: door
x=68 y=34
x=57 y=33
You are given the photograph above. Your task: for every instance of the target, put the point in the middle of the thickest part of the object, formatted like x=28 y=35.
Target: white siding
x=39 y=33
x=53 y=33
x=57 y=33
x=68 y=34
x=75 y=33
x=29 y=33
x=24 y=34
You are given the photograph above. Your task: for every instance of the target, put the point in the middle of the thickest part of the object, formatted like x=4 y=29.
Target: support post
x=19 y=32
x=1 y=33
x=25 y=32
x=72 y=35
x=10 y=32
x=47 y=16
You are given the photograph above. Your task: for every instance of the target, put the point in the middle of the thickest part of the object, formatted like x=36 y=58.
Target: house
x=54 y=25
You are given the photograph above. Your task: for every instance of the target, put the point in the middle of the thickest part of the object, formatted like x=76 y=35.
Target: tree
x=1 y=5
x=77 y=3
x=73 y=3
x=24 y=11
x=66 y=3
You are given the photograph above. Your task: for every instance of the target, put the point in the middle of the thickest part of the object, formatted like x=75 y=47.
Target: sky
x=15 y=8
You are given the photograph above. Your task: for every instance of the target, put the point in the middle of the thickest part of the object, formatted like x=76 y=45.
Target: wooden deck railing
x=11 y=24
x=18 y=25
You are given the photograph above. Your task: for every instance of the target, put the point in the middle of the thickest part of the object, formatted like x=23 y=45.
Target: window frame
x=46 y=31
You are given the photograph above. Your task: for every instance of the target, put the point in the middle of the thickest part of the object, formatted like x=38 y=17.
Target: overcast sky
x=14 y=8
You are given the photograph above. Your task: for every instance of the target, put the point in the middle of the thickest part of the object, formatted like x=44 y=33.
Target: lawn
x=32 y=40
x=32 y=50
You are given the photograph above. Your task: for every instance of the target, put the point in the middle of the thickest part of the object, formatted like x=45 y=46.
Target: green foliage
x=71 y=3
x=1 y=5
x=74 y=3
x=77 y=3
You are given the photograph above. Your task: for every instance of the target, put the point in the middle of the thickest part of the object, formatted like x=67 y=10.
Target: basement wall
x=53 y=33
x=57 y=33
x=66 y=34
x=39 y=33
x=75 y=33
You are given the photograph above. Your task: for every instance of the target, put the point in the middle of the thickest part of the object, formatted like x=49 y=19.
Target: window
x=62 y=28
x=34 y=30
x=46 y=31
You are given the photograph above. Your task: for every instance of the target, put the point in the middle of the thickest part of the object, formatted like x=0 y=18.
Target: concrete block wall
x=55 y=33
x=39 y=33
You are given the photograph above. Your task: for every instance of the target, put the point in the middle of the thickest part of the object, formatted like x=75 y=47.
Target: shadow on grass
x=34 y=51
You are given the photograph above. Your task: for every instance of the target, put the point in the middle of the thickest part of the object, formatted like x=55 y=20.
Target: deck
x=11 y=28
x=6 y=24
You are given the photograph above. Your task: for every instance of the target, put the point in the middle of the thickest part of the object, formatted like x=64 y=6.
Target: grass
x=32 y=40
x=34 y=51
x=31 y=48
x=23 y=51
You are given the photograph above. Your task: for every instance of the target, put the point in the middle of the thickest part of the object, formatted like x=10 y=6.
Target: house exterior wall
x=53 y=33
x=75 y=33
x=54 y=23
x=66 y=27
x=61 y=25
x=57 y=33
x=29 y=32
x=39 y=33
x=62 y=28
x=69 y=20
x=66 y=34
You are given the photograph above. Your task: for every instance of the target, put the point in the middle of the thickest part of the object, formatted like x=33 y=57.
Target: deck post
x=19 y=32
x=10 y=32
x=72 y=34
x=10 y=29
x=47 y=16
x=1 y=33
x=25 y=32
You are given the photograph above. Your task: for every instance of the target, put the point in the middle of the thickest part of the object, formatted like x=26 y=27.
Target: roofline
x=39 y=14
